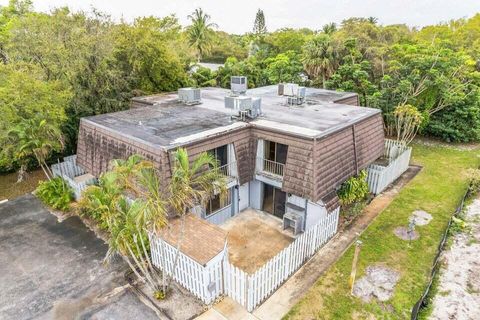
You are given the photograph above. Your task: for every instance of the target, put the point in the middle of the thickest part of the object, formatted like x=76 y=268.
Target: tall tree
x=329 y=28
x=35 y=138
x=259 y=26
x=193 y=183
x=319 y=58
x=200 y=32
x=14 y=9
x=24 y=96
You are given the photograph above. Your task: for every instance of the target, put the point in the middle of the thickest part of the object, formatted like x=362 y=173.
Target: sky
x=238 y=16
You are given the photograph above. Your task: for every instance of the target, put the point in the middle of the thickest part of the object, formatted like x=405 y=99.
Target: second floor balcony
x=230 y=172
x=270 y=168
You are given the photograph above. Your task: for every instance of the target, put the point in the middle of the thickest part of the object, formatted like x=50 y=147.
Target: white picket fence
x=393 y=149
x=205 y=282
x=219 y=276
x=250 y=290
x=68 y=170
x=380 y=177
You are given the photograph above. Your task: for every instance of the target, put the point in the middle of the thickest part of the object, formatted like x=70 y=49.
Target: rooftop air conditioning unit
x=256 y=107
x=290 y=89
x=240 y=103
x=189 y=96
x=301 y=93
x=238 y=84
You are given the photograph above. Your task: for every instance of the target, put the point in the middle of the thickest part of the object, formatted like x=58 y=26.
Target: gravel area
x=458 y=295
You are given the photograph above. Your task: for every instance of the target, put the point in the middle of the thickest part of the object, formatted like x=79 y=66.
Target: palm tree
x=200 y=32
x=130 y=239
x=129 y=220
x=35 y=138
x=372 y=20
x=193 y=184
x=319 y=57
x=329 y=28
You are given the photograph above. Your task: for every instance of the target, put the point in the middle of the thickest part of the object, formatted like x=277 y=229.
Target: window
x=221 y=154
x=276 y=152
x=217 y=202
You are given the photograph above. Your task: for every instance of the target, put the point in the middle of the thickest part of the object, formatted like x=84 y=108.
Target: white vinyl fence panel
x=221 y=277
x=393 y=149
x=68 y=170
x=220 y=216
x=205 y=282
x=250 y=290
x=380 y=177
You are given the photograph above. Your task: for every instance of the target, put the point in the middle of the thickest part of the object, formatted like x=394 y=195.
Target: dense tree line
x=62 y=65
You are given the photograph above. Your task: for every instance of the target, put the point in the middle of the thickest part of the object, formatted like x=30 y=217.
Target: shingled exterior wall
x=353 y=101
x=344 y=153
x=98 y=146
x=314 y=168
x=244 y=150
x=298 y=171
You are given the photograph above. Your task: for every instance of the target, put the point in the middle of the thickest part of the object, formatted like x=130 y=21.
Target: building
x=289 y=158
x=285 y=150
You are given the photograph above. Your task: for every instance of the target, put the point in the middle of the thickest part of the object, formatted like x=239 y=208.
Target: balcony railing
x=229 y=169
x=269 y=166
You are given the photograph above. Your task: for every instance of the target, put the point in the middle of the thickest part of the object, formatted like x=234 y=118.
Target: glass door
x=274 y=200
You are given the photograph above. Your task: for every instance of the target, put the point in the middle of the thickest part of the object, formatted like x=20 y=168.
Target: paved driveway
x=52 y=270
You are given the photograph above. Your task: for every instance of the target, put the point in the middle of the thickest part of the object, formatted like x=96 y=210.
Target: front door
x=274 y=200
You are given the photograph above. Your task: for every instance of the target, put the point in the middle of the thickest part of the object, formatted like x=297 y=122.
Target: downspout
x=355 y=149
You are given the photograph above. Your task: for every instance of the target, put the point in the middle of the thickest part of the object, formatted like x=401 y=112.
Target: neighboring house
x=289 y=157
x=285 y=151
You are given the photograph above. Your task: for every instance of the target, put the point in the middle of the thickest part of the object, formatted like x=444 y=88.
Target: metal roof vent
x=189 y=96
x=238 y=84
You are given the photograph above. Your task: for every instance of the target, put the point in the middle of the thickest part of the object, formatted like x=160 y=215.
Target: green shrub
x=55 y=193
x=355 y=189
x=474 y=181
x=100 y=202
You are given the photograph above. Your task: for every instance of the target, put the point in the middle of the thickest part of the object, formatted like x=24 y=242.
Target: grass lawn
x=437 y=189
x=9 y=189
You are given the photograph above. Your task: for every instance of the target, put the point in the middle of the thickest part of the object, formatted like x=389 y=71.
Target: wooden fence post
x=358 y=244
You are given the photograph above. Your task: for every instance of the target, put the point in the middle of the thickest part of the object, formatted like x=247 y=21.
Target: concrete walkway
x=299 y=283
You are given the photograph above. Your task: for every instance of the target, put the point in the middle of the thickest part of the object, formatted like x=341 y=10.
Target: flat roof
x=166 y=122
x=202 y=240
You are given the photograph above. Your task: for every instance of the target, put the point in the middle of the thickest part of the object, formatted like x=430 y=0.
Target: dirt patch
x=179 y=303
x=404 y=234
x=420 y=217
x=459 y=282
x=378 y=283
x=254 y=237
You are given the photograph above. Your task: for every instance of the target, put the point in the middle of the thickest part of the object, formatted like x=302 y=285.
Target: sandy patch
x=458 y=294
x=378 y=283
x=403 y=234
x=420 y=217
x=254 y=237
